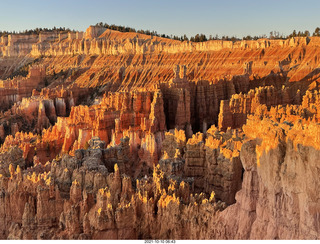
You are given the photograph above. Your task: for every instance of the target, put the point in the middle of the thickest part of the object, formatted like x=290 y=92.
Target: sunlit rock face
x=111 y=135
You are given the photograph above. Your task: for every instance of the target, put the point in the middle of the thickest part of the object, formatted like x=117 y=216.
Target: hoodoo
x=122 y=135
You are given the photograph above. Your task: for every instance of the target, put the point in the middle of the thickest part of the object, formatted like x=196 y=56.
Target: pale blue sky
x=224 y=17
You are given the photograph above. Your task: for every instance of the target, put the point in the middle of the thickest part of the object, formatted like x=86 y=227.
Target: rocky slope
x=126 y=136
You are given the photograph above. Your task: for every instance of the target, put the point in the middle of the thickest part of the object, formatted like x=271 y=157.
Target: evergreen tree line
x=203 y=37
x=196 y=38
x=37 y=31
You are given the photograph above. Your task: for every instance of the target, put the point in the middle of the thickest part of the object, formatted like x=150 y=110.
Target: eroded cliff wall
x=126 y=136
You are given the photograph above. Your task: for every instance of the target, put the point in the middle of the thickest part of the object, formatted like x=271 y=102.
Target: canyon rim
x=115 y=134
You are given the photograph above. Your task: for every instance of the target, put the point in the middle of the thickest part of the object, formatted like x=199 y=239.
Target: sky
x=177 y=17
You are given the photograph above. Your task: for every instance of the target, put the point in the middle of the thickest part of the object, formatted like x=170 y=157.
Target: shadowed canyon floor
x=117 y=135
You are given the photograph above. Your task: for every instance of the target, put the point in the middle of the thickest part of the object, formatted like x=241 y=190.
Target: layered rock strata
x=128 y=136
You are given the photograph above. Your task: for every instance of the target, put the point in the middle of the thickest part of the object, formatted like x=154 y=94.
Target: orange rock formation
x=127 y=136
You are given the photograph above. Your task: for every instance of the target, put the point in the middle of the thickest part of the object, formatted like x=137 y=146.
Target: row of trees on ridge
x=196 y=38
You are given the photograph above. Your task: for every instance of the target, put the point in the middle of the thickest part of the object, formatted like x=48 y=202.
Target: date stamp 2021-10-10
x=160 y=241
